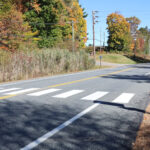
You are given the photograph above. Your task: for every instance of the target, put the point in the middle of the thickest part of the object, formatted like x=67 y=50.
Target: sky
x=128 y=8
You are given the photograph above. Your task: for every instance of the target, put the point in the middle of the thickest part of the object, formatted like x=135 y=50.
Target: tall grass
x=25 y=65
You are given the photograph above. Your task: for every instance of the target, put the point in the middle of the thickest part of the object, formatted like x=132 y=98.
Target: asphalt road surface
x=92 y=110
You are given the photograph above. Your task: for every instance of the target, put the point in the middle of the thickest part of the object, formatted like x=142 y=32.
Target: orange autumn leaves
x=119 y=32
x=37 y=13
x=124 y=34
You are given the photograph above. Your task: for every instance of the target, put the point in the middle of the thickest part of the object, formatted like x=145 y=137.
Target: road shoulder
x=143 y=139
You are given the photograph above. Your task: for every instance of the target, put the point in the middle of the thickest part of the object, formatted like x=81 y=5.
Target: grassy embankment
x=38 y=63
x=116 y=58
x=123 y=59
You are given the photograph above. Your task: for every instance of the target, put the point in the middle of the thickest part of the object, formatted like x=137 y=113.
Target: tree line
x=46 y=23
x=125 y=34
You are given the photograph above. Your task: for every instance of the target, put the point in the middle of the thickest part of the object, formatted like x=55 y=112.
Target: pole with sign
x=100 y=59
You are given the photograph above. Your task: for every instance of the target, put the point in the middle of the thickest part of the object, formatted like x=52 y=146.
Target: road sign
x=100 y=57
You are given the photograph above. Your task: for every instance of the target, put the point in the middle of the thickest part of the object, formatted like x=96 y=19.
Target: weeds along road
x=92 y=110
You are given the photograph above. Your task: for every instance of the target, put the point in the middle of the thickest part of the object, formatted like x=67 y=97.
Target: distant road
x=91 y=110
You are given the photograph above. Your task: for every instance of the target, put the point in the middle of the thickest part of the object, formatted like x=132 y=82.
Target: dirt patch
x=143 y=137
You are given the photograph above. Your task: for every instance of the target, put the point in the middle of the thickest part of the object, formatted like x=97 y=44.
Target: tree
x=144 y=33
x=134 y=23
x=13 y=29
x=77 y=15
x=53 y=21
x=47 y=21
x=119 y=33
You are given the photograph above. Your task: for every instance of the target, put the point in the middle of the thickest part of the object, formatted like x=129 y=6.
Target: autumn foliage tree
x=144 y=34
x=52 y=19
x=119 y=33
x=13 y=29
x=136 y=41
x=77 y=16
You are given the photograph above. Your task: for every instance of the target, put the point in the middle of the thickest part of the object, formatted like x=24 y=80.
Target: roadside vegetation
x=123 y=58
x=46 y=37
x=16 y=66
x=36 y=38
x=116 y=58
x=126 y=37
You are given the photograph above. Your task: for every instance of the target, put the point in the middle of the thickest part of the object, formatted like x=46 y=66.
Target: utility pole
x=149 y=47
x=93 y=16
x=94 y=22
x=104 y=40
x=73 y=39
x=100 y=41
x=73 y=35
x=134 y=47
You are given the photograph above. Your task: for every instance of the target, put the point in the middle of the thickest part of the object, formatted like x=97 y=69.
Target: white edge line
x=57 y=129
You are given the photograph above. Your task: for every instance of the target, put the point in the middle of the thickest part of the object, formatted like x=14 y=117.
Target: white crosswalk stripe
x=7 y=90
x=44 y=92
x=22 y=91
x=68 y=94
x=95 y=96
x=124 y=98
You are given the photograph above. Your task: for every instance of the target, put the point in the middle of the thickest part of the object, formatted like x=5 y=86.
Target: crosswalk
x=68 y=94
x=21 y=91
x=43 y=92
x=8 y=90
x=122 y=98
x=95 y=96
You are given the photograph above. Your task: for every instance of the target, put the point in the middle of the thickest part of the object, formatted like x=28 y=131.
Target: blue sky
x=128 y=8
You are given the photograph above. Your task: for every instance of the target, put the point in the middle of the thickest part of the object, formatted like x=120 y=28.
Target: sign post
x=100 y=59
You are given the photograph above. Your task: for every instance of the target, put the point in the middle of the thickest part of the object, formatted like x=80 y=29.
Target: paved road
x=93 y=110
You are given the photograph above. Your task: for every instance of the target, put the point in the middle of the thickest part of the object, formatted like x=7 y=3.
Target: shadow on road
x=122 y=106
x=22 y=123
x=134 y=78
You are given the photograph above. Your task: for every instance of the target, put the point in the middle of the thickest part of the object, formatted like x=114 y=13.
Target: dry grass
x=143 y=137
x=25 y=65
